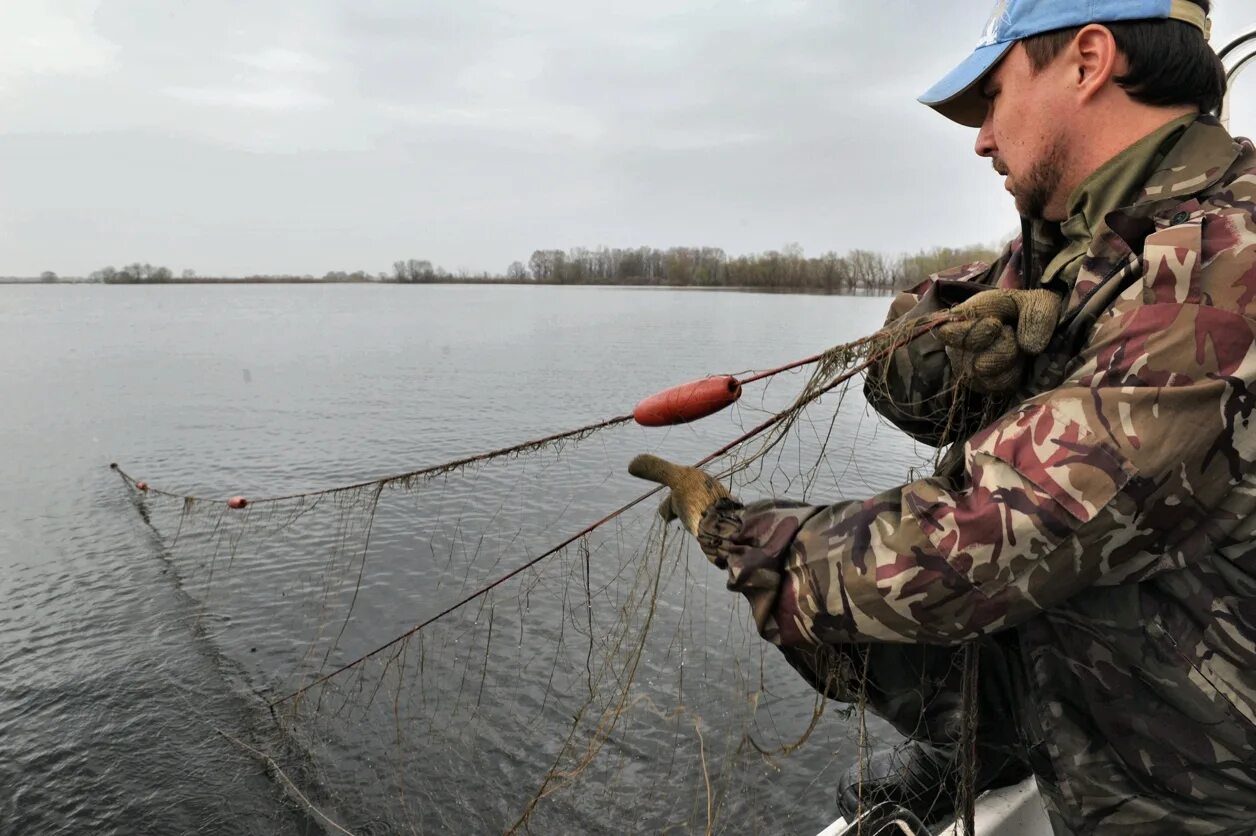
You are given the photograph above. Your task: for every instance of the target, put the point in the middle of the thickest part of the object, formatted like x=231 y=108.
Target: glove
x=692 y=491
x=995 y=331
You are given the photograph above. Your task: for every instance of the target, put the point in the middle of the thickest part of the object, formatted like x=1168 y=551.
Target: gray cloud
x=236 y=137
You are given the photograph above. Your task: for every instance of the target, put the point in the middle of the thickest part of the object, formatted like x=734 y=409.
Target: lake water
x=132 y=675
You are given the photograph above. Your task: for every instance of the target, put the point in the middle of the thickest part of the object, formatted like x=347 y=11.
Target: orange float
x=688 y=401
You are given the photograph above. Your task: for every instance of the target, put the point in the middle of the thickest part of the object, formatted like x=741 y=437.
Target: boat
x=1010 y=811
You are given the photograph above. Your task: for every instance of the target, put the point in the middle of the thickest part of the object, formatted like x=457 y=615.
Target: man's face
x=1024 y=133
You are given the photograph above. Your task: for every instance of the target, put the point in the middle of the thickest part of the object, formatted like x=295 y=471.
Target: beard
x=1035 y=191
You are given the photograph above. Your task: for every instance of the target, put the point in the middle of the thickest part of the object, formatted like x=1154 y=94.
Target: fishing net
x=453 y=650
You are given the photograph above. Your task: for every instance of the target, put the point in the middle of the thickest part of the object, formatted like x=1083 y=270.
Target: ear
x=1096 y=60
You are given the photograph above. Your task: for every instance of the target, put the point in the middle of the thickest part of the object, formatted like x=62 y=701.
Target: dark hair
x=1170 y=63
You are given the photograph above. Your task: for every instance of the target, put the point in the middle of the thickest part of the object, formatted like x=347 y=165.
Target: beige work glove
x=692 y=490
x=996 y=331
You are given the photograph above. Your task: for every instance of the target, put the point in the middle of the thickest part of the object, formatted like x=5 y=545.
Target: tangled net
x=434 y=661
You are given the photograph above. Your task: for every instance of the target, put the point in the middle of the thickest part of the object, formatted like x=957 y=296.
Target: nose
x=986 y=146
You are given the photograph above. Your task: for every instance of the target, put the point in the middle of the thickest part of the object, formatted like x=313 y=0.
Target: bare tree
x=420 y=270
x=541 y=266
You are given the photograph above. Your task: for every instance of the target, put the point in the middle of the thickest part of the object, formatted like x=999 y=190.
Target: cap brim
x=957 y=96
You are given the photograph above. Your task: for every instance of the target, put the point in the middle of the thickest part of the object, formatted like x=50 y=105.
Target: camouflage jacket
x=1106 y=520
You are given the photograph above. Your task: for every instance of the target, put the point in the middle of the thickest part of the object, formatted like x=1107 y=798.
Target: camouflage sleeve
x=1139 y=462
x=915 y=389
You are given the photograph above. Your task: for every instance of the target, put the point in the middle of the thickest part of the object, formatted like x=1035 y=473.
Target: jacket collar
x=1121 y=179
x=1146 y=171
x=1196 y=162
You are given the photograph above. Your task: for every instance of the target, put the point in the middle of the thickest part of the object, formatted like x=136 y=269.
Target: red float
x=141 y=485
x=237 y=502
x=688 y=402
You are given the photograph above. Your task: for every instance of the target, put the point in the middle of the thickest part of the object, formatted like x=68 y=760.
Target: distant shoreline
x=802 y=289
x=859 y=272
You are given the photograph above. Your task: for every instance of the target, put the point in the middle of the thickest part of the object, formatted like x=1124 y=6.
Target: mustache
x=1000 y=167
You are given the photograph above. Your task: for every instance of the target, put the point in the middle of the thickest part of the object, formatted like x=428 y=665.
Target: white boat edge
x=1010 y=811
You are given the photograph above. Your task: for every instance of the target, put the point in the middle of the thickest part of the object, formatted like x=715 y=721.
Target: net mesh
x=453 y=649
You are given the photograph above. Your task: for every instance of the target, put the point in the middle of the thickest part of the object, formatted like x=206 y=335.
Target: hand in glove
x=692 y=490
x=993 y=334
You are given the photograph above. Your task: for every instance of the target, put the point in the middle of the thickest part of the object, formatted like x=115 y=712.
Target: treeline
x=857 y=271
x=788 y=268
x=134 y=274
x=145 y=273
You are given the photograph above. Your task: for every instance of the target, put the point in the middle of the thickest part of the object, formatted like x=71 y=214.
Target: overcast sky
x=300 y=137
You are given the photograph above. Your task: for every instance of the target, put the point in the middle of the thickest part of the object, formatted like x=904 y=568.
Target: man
x=1087 y=546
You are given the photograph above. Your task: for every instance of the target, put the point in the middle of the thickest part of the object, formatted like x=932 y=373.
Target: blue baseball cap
x=957 y=96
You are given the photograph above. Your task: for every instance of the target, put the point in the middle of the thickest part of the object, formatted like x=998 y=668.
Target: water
x=127 y=678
